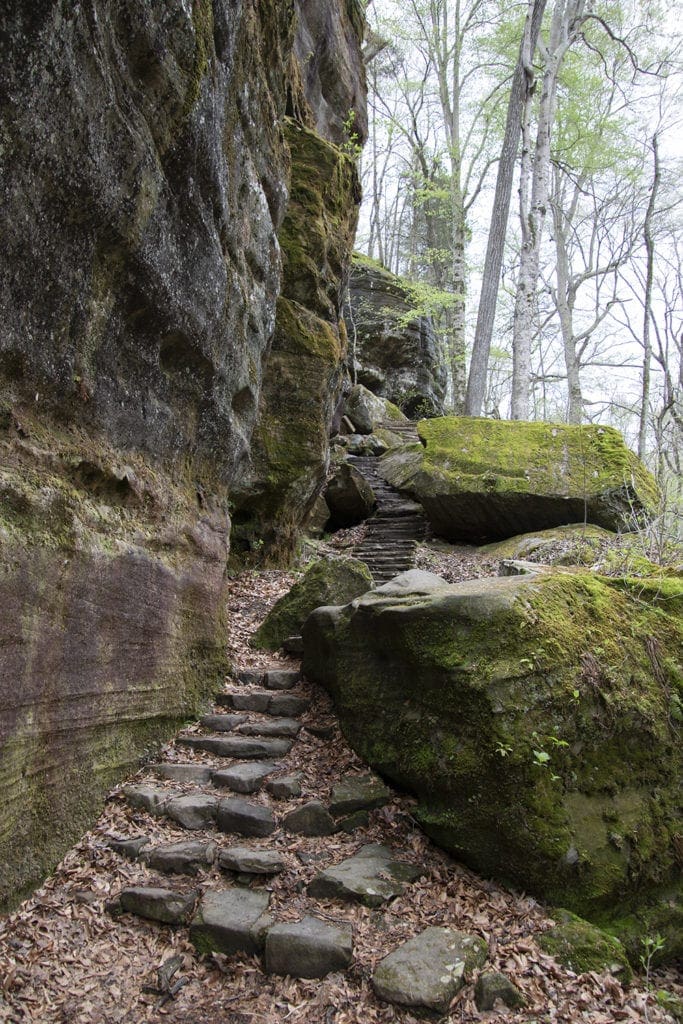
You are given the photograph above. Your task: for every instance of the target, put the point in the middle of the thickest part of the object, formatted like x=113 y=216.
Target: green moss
x=506 y=455
x=583 y=947
x=326 y=581
x=532 y=717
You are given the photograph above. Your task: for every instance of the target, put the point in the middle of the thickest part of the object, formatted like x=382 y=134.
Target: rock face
x=290 y=453
x=542 y=746
x=396 y=352
x=486 y=480
x=147 y=156
x=326 y=581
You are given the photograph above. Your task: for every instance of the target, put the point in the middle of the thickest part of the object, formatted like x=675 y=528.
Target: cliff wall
x=145 y=165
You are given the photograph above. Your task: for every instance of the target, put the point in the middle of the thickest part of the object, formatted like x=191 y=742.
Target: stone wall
x=145 y=176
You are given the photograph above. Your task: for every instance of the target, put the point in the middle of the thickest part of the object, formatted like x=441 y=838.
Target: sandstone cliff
x=146 y=159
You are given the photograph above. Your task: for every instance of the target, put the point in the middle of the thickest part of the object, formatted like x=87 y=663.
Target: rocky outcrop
x=394 y=350
x=542 y=748
x=331 y=70
x=146 y=171
x=112 y=629
x=367 y=411
x=486 y=480
x=326 y=581
x=290 y=451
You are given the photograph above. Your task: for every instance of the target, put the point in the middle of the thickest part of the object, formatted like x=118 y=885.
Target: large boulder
x=326 y=581
x=536 y=719
x=367 y=412
x=394 y=349
x=485 y=480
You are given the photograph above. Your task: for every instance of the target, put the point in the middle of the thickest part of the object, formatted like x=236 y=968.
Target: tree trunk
x=647 y=303
x=476 y=385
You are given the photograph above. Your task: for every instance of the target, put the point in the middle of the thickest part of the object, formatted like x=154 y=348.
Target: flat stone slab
x=222 y=723
x=238 y=746
x=152 y=799
x=372 y=876
x=281 y=679
x=272 y=727
x=245 y=700
x=232 y=921
x=266 y=701
x=244 y=778
x=428 y=970
x=311 y=819
x=194 y=773
x=245 y=818
x=196 y=810
x=285 y=787
x=246 y=861
x=308 y=948
x=181 y=858
x=129 y=848
x=288 y=705
x=156 y=904
x=250 y=676
x=358 y=793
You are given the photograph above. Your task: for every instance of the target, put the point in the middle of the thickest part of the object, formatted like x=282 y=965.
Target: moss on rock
x=303 y=374
x=112 y=633
x=326 y=581
x=485 y=480
x=533 y=717
x=582 y=947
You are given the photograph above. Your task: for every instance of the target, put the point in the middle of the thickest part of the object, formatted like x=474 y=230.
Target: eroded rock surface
x=536 y=719
x=396 y=351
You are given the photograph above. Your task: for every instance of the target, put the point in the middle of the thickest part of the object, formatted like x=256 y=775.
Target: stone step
x=271 y=727
x=247 y=747
x=222 y=723
x=245 y=818
x=371 y=877
x=244 y=778
x=265 y=701
x=187 y=858
x=308 y=949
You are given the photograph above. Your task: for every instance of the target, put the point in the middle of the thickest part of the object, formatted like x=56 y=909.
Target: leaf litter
x=65 y=960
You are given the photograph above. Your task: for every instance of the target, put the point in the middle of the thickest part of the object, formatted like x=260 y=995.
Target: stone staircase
x=240 y=801
x=397 y=526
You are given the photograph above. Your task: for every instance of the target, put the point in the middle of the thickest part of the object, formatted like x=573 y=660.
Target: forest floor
x=65 y=960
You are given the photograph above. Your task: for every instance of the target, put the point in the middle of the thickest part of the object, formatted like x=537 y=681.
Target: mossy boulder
x=326 y=581
x=537 y=720
x=582 y=946
x=486 y=480
x=367 y=411
x=574 y=544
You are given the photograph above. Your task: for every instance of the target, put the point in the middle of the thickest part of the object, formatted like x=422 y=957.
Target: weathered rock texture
x=146 y=164
x=535 y=718
x=290 y=454
x=394 y=351
x=485 y=480
x=326 y=581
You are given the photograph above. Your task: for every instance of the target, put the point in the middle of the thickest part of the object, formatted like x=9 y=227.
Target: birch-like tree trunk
x=534 y=191
x=481 y=349
x=647 y=301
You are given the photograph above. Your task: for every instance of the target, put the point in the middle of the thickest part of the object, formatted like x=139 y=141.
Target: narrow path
x=398 y=525
x=256 y=852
